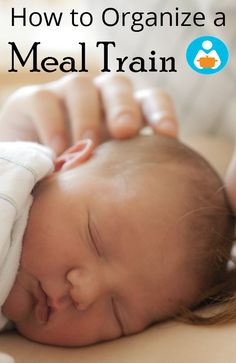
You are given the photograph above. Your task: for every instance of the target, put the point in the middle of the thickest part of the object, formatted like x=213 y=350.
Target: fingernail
x=58 y=144
x=125 y=119
x=167 y=127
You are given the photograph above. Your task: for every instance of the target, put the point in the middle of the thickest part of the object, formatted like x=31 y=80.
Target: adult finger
x=83 y=107
x=122 y=113
x=49 y=119
x=158 y=110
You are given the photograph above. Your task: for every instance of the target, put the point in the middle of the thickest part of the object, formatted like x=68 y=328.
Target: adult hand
x=60 y=113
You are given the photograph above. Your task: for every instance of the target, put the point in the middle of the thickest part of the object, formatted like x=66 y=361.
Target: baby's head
x=125 y=239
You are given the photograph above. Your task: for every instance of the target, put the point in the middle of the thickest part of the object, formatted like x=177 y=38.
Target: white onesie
x=22 y=165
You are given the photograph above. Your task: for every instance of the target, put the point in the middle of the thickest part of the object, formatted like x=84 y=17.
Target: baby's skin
x=105 y=252
x=91 y=267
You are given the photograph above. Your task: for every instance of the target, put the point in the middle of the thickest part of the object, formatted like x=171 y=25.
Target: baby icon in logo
x=207 y=55
x=207 y=58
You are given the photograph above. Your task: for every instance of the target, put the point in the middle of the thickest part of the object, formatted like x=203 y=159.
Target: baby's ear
x=75 y=155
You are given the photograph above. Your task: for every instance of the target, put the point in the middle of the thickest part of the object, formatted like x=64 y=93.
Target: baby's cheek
x=18 y=305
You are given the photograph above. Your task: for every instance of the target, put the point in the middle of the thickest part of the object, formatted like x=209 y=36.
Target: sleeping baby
x=117 y=238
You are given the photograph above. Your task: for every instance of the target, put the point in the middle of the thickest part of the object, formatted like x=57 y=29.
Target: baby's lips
x=42 y=313
x=42 y=309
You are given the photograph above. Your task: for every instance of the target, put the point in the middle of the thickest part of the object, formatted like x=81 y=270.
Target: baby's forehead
x=147 y=167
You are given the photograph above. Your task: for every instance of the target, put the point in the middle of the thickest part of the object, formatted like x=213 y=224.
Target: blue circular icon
x=207 y=55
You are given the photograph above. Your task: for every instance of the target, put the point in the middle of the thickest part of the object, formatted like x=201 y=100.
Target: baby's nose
x=85 y=289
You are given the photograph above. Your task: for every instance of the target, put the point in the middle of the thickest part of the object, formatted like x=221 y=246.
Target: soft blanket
x=22 y=165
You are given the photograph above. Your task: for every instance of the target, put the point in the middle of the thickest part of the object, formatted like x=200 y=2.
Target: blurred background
x=55 y=41
x=203 y=104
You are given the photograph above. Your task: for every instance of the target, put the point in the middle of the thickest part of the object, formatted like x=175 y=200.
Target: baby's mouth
x=42 y=310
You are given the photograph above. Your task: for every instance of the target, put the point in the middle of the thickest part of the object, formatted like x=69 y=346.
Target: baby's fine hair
x=209 y=224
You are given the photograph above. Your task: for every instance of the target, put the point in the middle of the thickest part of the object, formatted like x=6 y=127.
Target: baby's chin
x=40 y=335
x=57 y=336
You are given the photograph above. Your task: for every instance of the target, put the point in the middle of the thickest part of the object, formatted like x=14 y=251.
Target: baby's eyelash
x=91 y=234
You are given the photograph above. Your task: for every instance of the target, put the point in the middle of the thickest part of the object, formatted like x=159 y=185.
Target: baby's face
x=101 y=258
